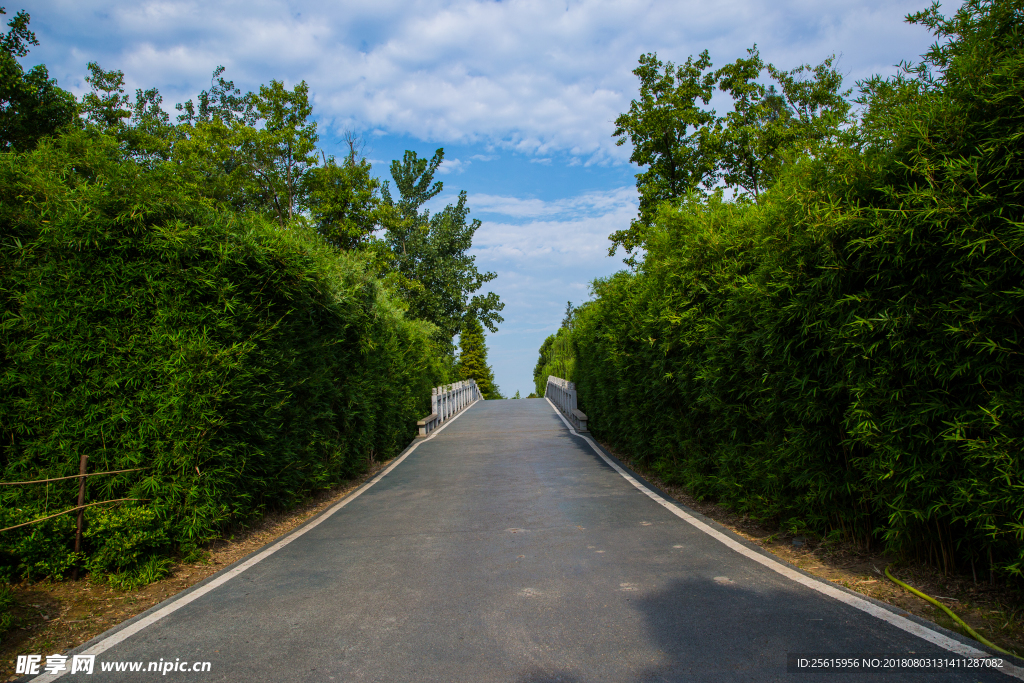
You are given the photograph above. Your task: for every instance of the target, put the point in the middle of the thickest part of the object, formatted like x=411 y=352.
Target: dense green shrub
x=242 y=365
x=39 y=550
x=845 y=354
x=123 y=538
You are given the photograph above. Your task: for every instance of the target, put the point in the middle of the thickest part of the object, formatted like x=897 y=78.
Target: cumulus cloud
x=545 y=253
x=453 y=166
x=532 y=76
x=588 y=203
x=555 y=234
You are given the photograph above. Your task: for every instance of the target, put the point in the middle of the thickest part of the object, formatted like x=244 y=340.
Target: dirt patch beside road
x=55 y=617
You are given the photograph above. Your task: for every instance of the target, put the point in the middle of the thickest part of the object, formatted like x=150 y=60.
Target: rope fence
x=80 y=507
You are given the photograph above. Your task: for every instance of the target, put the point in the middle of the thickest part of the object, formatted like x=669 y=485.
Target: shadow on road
x=720 y=629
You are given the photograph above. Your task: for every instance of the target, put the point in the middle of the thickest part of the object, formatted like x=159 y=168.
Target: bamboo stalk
x=942 y=547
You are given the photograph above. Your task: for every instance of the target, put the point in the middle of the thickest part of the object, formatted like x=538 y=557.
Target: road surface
x=504 y=548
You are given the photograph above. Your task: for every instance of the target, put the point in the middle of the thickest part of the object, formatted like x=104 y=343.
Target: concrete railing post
x=562 y=393
x=447 y=401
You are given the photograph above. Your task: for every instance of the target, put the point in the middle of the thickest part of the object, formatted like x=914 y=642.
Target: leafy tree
x=342 y=201
x=253 y=168
x=143 y=127
x=427 y=254
x=31 y=104
x=225 y=157
x=689 y=149
x=106 y=107
x=284 y=149
x=223 y=102
x=257 y=152
x=767 y=124
x=671 y=134
x=473 y=358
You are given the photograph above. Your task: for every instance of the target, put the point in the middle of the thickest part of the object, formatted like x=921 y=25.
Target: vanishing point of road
x=505 y=547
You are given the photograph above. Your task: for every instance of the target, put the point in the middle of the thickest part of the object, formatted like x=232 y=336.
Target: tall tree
x=341 y=200
x=473 y=358
x=31 y=104
x=257 y=152
x=143 y=128
x=767 y=125
x=671 y=134
x=223 y=102
x=284 y=149
x=689 y=149
x=428 y=254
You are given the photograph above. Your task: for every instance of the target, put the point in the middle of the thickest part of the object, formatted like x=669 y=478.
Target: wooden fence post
x=82 y=464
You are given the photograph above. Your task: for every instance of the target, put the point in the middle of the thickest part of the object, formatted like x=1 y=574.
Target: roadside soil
x=993 y=610
x=55 y=617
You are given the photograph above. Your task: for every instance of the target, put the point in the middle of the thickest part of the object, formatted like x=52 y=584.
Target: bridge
x=506 y=545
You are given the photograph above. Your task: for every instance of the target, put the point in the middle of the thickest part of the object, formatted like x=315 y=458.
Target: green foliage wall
x=556 y=357
x=241 y=364
x=845 y=354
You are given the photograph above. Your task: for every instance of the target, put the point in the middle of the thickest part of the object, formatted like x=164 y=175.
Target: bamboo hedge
x=242 y=365
x=846 y=355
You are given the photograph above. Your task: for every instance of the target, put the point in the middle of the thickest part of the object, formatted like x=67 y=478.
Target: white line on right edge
x=853 y=601
x=220 y=580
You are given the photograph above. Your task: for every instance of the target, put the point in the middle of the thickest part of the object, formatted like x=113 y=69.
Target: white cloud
x=453 y=166
x=589 y=203
x=545 y=253
x=533 y=76
x=573 y=232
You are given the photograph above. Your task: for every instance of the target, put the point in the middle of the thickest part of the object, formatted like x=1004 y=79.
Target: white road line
x=874 y=610
x=175 y=605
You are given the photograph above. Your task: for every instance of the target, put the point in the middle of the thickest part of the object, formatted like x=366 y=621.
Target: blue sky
x=520 y=93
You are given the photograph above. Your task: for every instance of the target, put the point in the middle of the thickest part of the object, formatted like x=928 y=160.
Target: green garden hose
x=974 y=634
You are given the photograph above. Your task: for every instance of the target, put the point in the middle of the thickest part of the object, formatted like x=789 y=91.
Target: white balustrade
x=447 y=401
x=563 y=394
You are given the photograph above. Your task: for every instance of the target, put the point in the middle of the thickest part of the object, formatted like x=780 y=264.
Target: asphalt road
x=505 y=549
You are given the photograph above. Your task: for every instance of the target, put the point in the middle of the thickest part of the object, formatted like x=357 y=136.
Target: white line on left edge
x=178 y=603
x=871 y=608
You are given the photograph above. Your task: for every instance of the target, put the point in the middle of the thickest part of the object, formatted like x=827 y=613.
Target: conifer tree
x=473 y=358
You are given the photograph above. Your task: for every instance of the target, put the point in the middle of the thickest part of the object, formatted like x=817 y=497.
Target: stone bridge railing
x=563 y=394
x=447 y=401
